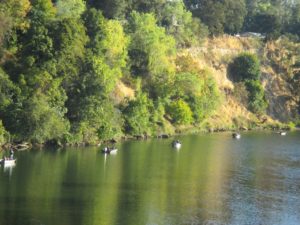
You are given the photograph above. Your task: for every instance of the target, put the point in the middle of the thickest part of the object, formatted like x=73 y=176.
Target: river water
x=212 y=179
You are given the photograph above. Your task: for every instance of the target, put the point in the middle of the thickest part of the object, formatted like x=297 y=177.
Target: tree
x=256 y=98
x=203 y=105
x=112 y=9
x=15 y=12
x=3 y=134
x=180 y=112
x=8 y=92
x=196 y=86
x=179 y=23
x=137 y=115
x=5 y=26
x=246 y=66
x=91 y=111
x=40 y=122
x=151 y=52
x=219 y=16
x=235 y=12
x=146 y=6
x=265 y=23
x=212 y=14
x=69 y=47
x=70 y=8
x=44 y=7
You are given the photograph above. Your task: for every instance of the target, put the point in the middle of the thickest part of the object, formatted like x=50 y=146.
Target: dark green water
x=212 y=179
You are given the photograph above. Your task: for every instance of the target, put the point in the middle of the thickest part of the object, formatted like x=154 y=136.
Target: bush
x=244 y=67
x=204 y=104
x=3 y=133
x=256 y=98
x=137 y=115
x=180 y=112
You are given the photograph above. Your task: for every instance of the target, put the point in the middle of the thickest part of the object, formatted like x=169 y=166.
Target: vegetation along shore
x=76 y=72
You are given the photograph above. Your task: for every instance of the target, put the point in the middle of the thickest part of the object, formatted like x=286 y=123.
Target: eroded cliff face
x=279 y=78
x=283 y=103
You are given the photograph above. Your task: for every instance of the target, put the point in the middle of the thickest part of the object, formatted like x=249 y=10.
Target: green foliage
x=108 y=50
x=137 y=115
x=150 y=51
x=187 y=84
x=265 y=23
x=245 y=67
x=3 y=134
x=40 y=121
x=61 y=62
x=112 y=9
x=91 y=112
x=179 y=23
x=256 y=99
x=70 y=8
x=13 y=15
x=146 y=6
x=180 y=112
x=95 y=120
x=219 y=16
x=291 y=125
x=5 y=26
x=43 y=7
x=197 y=86
x=204 y=104
x=235 y=12
x=8 y=91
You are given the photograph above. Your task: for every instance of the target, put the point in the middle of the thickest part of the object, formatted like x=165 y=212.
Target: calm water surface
x=212 y=179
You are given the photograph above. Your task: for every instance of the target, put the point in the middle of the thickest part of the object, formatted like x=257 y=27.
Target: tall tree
x=70 y=8
x=180 y=23
x=151 y=51
x=90 y=109
x=112 y=9
x=218 y=15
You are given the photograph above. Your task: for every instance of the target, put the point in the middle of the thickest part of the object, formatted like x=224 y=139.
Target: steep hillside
x=279 y=78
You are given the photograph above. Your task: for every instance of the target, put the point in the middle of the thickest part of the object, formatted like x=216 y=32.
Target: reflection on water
x=212 y=179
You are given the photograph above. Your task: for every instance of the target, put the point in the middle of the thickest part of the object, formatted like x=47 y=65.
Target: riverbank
x=179 y=130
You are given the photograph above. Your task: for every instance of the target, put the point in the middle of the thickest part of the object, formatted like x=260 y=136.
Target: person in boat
x=11 y=154
x=106 y=149
x=176 y=142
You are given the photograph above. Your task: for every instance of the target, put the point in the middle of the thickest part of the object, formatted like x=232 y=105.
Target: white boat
x=282 y=133
x=8 y=162
x=113 y=151
x=236 y=135
x=107 y=150
x=176 y=144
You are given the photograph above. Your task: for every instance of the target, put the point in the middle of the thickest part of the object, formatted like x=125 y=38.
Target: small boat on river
x=108 y=150
x=8 y=162
x=282 y=133
x=176 y=144
x=236 y=135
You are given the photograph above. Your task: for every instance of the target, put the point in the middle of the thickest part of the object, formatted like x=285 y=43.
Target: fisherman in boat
x=11 y=154
x=106 y=150
x=236 y=135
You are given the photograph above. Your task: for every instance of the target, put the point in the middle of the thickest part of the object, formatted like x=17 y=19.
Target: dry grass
x=215 y=55
x=121 y=92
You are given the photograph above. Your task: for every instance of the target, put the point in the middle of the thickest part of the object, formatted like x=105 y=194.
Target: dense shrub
x=244 y=67
x=3 y=134
x=256 y=98
x=180 y=112
x=137 y=115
